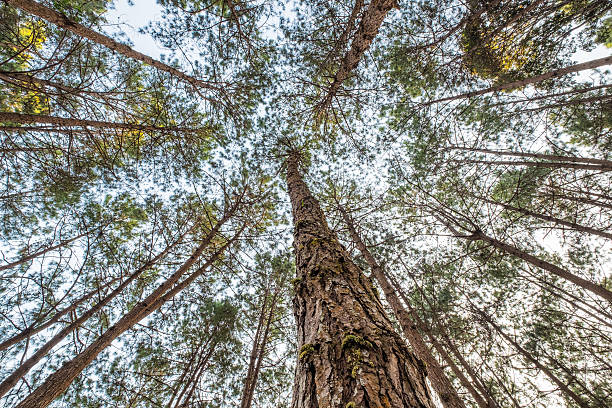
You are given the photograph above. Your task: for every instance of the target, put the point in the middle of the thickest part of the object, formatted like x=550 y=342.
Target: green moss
x=352 y=341
x=306 y=350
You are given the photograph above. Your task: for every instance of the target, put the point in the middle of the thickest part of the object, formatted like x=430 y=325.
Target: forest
x=306 y=204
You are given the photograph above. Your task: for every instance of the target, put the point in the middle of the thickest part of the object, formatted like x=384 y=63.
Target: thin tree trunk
x=588 y=201
x=366 y=31
x=32 y=329
x=532 y=80
x=194 y=383
x=62 y=21
x=547 y=266
x=178 y=384
x=545 y=165
x=549 y=218
x=349 y=354
x=564 y=388
x=444 y=388
x=27 y=365
x=58 y=382
x=542 y=156
x=56 y=120
x=468 y=368
x=36 y=254
x=254 y=352
x=261 y=352
x=490 y=403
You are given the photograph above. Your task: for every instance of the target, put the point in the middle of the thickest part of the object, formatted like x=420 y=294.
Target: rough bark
x=64 y=22
x=532 y=80
x=349 y=354
x=58 y=382
x=441 y=384
x=366 y=31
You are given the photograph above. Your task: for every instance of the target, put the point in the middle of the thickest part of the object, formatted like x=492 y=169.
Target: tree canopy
x=450 y=160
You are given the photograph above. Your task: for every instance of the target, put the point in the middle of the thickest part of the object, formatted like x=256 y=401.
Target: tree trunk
x=490 y=403
x=540 y=263
x=349 y=354
x=444 y=388
x=564 y=388
x=32 y=329
x=62 y=21
x=27 y=365
x=43 y=251
x=542 y=156
x=56 y=120
x=549 y=218
x=543 y=165
x=59 y=381
x=534 y=79
x=368 y=28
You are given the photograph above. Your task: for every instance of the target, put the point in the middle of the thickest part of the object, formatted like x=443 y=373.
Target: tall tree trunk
x=444 y=388
x=246 y=403
x=595 y=203
x=349 y=354
x=56 y=120
x=254 y=351
x=33 y=329
x=27 y=365
x=43 y=251
x=541 y=165
x=532 y=80
x=542 y=156
x=548 y=218
x=64 y=22
x=366 y=31
x=547 y=266
x=553 y=378
x=489 y=403
x=59 y=381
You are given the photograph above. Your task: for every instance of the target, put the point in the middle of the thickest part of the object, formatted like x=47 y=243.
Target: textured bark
x=349 y=354
x=27 y=365
x=534 y=79
x=64 y=22
x=55 y=120
x=58 y=382
x=366 y=31
x=444 y=388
